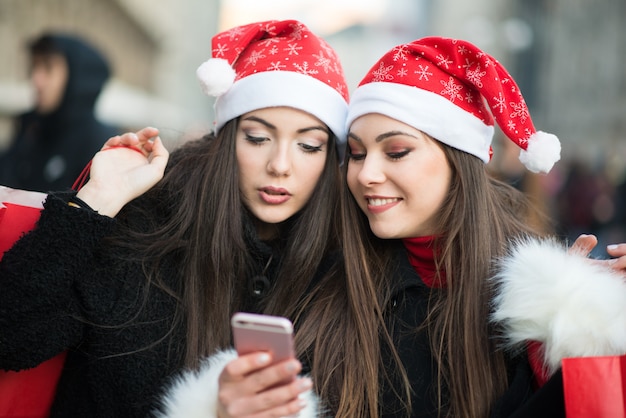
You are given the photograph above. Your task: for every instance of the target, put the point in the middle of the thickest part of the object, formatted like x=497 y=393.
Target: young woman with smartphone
x=137 y=275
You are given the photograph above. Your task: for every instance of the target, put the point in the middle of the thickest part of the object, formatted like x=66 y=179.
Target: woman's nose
x=279 y=163
x=370 y=171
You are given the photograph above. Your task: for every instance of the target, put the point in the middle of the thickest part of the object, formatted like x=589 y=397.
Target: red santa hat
x=275 y=63
x=453 y=91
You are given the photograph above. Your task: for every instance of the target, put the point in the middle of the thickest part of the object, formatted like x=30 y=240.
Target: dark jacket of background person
x=48 y=152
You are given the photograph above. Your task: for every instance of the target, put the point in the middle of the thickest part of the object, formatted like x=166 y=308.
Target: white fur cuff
x=573 y=307
x=194 y=393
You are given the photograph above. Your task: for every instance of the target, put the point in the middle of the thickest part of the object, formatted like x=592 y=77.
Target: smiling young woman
x=399 y=200
x=444 y=250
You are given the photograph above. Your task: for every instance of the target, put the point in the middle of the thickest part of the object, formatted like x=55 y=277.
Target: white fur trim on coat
x=573 y=307
x=194 y=393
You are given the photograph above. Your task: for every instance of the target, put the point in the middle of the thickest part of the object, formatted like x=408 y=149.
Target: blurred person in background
x=587 y=202
x=53 y=142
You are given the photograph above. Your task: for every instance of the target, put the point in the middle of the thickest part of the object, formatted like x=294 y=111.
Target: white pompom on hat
x=271 y=64
x=453 y=91
x=216 y=76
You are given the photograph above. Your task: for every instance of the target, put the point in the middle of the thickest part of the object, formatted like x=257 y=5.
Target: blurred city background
x=568 y=56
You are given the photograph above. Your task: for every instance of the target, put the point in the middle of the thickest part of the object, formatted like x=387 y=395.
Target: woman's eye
x=258 y=140
x=356 y=156
x=397 y=155
x=310 y=148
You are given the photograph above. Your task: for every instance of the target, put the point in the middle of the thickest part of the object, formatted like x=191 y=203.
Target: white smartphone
x=256 y=332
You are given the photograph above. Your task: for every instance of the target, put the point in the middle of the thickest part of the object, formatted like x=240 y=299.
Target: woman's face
x=281 y=154
x=49 y=76
x=398 y=176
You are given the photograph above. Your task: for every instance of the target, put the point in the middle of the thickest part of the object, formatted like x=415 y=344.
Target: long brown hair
x=478 y=219
x=202 y=227
x=343 y=328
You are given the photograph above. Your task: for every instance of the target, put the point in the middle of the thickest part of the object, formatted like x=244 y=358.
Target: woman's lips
x=381 y=204
x=274 y=195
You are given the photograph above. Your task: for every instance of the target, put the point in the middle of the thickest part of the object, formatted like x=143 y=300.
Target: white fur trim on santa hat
x=284 y=88
x=574 y=307
x=543 y=151
x=194 y=393
x=216 y=76
x=426 y=111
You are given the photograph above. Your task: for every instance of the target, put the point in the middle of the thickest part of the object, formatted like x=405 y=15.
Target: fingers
x=249 y=386
x=584 y=244
x=254 y=370
x=137 y=139
x=246 y=364
x=619 y=252
x=616 y=250
x=159 y=155
x=278 y=402
x=146 y=133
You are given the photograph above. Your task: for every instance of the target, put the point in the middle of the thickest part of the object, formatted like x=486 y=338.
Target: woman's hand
x=126 y=167
x=249 y=387
x=618 y=251
x=584 y=244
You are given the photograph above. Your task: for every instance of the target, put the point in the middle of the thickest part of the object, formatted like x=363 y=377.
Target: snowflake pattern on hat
x=468 y=79
x=279 y=46
x=275 y=63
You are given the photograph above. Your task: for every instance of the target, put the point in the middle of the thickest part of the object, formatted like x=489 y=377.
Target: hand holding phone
x=250 y=385
x=256 y=332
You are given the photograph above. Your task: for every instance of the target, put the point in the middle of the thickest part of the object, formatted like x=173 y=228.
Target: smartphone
x=257 y=332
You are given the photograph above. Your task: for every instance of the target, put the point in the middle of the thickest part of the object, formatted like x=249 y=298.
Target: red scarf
x=422 y=257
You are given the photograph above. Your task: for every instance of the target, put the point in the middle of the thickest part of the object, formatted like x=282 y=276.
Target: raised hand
x=584 y=244
x=618 y=251
x=249 y=387
x=126 y=167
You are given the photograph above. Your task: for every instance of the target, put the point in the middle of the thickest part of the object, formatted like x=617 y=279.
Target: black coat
x=48 y=152
x=88 y=302
x=408 y=311
x=118 y=363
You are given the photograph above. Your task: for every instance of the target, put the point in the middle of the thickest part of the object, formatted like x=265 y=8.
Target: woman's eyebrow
x=270 y=126
x=353 y=136
x=386 y=135
x=383 y=136
x=314 y=128
x=261 y=121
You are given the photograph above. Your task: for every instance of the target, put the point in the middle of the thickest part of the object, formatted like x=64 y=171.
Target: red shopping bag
x=27 y=393
x=594 y=387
